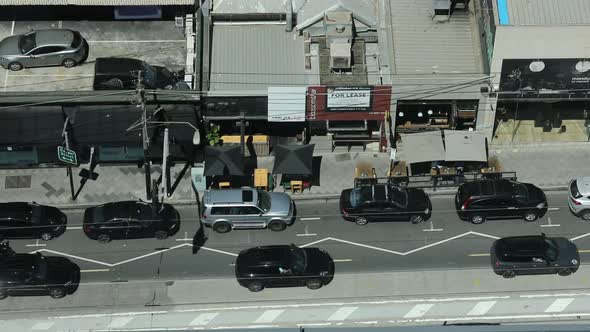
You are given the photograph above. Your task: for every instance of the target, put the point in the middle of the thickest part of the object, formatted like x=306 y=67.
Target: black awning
x=228 y=108
x=39 y=125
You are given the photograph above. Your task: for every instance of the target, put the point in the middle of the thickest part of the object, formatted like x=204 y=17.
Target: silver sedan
x=40 y=48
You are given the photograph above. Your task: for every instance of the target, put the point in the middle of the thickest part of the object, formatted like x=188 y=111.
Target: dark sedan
x=284 y=266
x=536 y=254
x=31 y=220
x=35 y=274
x=118 y=74
x=130 y=219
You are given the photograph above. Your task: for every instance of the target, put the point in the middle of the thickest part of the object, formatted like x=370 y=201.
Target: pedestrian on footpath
x=587 y=124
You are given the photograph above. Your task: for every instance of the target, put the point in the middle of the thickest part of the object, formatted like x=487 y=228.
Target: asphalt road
x=444 y=242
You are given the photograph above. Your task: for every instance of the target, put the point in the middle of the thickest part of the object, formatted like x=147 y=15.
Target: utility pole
x=144 y=133
x=67 y=141
x=242 y=132
x=164 y=188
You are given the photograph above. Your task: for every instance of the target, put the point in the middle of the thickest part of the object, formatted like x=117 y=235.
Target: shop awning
x=465 y=146
x=421 y=147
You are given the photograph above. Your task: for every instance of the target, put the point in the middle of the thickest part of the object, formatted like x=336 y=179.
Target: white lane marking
x=358 y=245
x=444 y=241
x=307 y=234
x=54 y=75
x=229 y=327
x=549 y=223
x=419 y=310
x=219 y=251
x=372 y=322
x=492 y=318
x=342 y=313
x=37 y=244
x=313 y=324
x=152 y=253
x=268 y=316
x=186 y=238
x=559 y=305
x=579 y=237
x=139 y=41
x=310 y=218
x=74 y=256
x=120 y=322
x=203 y=319
x=553 y=208
x=481 y=308
x=432 y=229
x=120 y=314
x=342 y=260
x=94 y=270
x=43 y=325
x=74 y=227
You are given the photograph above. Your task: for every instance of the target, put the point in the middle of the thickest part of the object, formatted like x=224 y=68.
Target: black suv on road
x=535 y=254
x=130 y=219
x=479 y=200
x=284 y=266
x=31 y=220
x=384 y=202
x=35 y=274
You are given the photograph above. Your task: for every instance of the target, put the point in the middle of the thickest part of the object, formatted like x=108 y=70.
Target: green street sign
x=66 y=155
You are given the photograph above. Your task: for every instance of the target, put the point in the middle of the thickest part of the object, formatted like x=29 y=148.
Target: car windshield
x=398 y=195
x=263 y=200
x=519 y=190
x=551 y=251
x=39 y=268
x=36 y=213
x=151 y=74
x=27 y=42
x=143 y=211
x=76 y=40
x=359 y=196
x=298 y=259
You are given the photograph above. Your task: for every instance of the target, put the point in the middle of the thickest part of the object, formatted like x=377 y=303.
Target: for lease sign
x=355 y=99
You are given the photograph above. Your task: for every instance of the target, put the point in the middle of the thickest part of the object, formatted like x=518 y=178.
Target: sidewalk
x=548 y=166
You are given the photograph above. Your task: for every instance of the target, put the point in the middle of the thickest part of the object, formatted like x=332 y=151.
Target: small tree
x=213 y=136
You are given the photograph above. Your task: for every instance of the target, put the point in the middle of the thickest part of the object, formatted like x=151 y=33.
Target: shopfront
x=421 y=115
x=543 y=100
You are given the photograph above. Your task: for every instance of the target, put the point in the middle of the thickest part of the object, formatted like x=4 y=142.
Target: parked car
x=384 y=202
x=224 y=209
x=119 y=73
x=35 y=274
x=130 y=219
x=479 y=200
x=31 y=220
x=535 y=254
x=284 y=266
x=41 y=48
x=579 y=197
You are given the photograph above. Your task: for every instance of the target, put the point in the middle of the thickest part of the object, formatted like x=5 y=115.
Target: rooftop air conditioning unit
x=339 y=35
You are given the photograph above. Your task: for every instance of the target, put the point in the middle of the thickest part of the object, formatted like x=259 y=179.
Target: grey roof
x=461 y=145
x=548 y=12
x=421 y=147
x=307 y=10
x=254 y=57
x=96 y=2
x=423 y=46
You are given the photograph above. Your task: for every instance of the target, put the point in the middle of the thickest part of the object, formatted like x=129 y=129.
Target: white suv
x=579 y=197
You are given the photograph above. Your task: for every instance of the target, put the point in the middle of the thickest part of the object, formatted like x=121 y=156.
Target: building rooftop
x=253 y=57
x=544 y=12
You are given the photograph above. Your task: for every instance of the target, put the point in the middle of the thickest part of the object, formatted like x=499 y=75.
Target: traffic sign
x=66 y=155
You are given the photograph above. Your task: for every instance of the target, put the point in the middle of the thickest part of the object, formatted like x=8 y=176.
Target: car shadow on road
x=199 y=239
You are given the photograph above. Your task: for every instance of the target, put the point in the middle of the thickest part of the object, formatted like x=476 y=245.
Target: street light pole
x=144 y=134
x=164 y=188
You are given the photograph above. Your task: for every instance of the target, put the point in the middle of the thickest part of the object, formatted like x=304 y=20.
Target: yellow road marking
x=342 y=260
x=95 y=270
x=584 y=250
x=478 y=255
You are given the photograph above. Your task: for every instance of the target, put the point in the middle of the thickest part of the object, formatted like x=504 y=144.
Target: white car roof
x=583 y=183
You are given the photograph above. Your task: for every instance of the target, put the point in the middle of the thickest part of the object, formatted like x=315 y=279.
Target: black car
x=536 y=254
x=384 y=202
x=284 y=266
x=130 y=219
x=118 y=74
x=479 y=200
x=35 y=274
x=31 y=220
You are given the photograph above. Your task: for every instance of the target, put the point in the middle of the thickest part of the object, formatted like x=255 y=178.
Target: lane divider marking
x=559 y=305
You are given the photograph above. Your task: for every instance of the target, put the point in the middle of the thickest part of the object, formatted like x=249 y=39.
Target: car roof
x=15 y=209
x=54 y=37
x=17 y=262
x=583 y=184
x=487 y=187
x=267 y=255
x=229 y=196
x=523 y=245
x=117 y=66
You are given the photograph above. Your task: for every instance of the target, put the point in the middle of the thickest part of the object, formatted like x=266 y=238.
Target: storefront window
x=18 y=155
x=114 y=153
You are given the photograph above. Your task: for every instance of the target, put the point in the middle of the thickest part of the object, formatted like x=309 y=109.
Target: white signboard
x=286 y=104
x=349 y=98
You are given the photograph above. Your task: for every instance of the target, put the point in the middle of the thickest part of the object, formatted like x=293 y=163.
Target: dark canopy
x=223 y=160
x=293 y=159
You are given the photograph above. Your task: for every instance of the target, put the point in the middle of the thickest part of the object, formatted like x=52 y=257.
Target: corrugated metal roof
x=548 y=12
x=424 y=46
x=97 y=2
x=254 y=57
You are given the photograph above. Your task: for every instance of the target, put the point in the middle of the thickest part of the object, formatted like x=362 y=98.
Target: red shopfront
x=351 y=114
